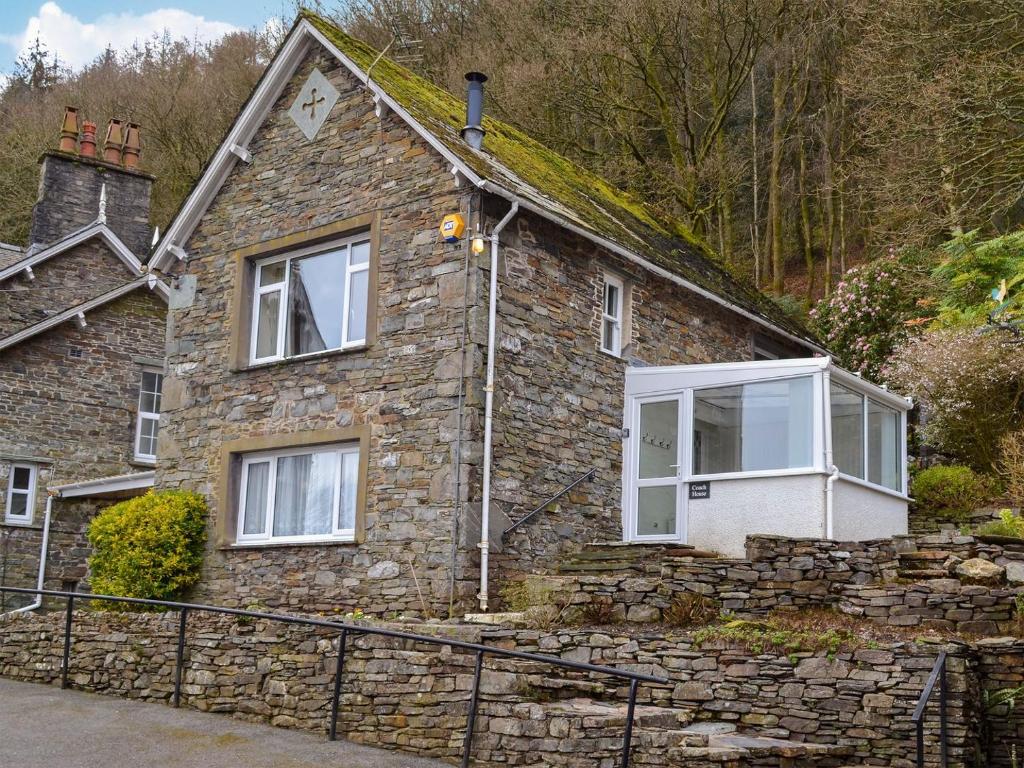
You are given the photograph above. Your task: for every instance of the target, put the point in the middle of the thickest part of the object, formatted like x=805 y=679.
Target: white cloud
x=77 y=42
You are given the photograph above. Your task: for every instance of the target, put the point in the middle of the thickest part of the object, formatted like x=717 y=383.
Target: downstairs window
x=298 y=495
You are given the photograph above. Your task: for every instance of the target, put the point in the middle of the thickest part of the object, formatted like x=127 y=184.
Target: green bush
x=950 y=493
x=150 y=546
x=1008 y=524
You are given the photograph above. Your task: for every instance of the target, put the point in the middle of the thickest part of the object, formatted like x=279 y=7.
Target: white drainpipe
x=492 y=321
x=42 y=563
x=832 y=469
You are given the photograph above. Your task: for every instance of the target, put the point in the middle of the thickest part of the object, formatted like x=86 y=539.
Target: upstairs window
x=311 y=301
x=21 y=494
x=611 y=316
x=148 y=423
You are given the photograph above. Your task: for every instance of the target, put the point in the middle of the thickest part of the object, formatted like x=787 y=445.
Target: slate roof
x=9 y=254
x=513 y=160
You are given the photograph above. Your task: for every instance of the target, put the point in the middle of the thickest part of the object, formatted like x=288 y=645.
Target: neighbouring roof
x=79 y=310
x=79 y=236
x=100 y=487
x=10 y=254
x=511 y=165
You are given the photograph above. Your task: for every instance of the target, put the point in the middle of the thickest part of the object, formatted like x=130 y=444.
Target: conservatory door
x=657 y=498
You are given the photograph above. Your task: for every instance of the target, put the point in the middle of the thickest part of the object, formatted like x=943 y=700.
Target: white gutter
x=492 y=321
x=42 y=563
x=830 y=467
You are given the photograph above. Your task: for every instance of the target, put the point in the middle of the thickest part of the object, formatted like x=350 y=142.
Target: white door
x=656 y=501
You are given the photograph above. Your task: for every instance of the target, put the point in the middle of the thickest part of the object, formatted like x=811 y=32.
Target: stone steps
x=924 y=564
x=662 y=736
x=615 y=556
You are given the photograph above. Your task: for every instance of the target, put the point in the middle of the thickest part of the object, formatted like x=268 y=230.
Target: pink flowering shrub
x=970 y=386
x=873 y=310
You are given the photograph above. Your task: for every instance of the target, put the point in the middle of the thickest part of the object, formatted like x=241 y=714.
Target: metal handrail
x=541 y=507
x=480 y=651
x=938 y=673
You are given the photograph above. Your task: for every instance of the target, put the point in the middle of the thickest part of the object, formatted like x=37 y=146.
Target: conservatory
x=797 y=448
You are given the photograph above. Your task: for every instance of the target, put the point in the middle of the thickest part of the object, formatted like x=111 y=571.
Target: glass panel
x=315 y=303
x=884 y=454
x=608 y=336
x=17 y=505
x=349 y=486
x=266 y=324
x=358 y=283
x=22 y=478
x=304 y=494
x=847 y=431
x=753 y=427
x=361 y=252
x=272 y=273
x=148 y=429
x=659 y=439
x=656 y=511
x=611 y=300
x=254 y=519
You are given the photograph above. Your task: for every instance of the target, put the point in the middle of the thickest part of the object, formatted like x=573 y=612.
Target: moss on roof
x=515 y=161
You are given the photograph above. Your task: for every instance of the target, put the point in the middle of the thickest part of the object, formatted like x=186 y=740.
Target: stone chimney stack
x=72 y=177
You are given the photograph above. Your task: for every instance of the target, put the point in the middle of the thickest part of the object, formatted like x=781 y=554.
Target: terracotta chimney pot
x=113 y=142
x=69 y=130
x=132 y=146
x=88 y=139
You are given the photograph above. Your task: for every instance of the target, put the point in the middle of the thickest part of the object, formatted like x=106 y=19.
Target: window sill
x=21 y=524
x=139 y=462
x=872 y=487
x=314 y=356
x=237 y=546
x=757 y=474
x=620 y=357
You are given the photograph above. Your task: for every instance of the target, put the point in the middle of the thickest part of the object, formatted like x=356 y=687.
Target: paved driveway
x=42 y=726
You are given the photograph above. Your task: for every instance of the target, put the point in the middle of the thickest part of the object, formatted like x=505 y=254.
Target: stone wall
x=781 y=573
x=927 y=525
x=404 y=387
x=942 y=604
x=1001 y=672
x=413 y=697
x=559 y=398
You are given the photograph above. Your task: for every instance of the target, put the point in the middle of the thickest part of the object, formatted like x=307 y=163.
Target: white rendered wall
x=791 y=505
x=861 y=513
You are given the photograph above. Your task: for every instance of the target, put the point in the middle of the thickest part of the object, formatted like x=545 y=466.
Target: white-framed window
x=611 y=315
x=148 y=422
x=21 y=494
x=866 y=438
x=299 y=495
x=312 y=300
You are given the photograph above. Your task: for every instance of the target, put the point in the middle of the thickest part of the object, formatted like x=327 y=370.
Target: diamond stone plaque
x=313 y=104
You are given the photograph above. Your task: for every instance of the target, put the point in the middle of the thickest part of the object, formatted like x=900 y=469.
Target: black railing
x=543 y=505
x=938 y=673
x=480 y=651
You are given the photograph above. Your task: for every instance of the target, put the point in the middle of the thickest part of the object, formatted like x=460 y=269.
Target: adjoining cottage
x=371 y=404
x=81 y=356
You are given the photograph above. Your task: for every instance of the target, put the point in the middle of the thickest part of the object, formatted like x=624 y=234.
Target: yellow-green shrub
x=150 y=546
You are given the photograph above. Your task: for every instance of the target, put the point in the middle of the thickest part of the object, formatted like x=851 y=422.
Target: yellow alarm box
x=452 y=227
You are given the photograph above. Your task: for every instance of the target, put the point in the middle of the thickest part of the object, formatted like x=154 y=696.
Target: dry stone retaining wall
x=413 y=698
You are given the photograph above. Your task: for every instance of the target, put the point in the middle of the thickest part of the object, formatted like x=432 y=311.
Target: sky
x=79 y=30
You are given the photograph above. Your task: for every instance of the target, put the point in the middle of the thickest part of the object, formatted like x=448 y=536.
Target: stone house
x=81 y=356
x=396 y=326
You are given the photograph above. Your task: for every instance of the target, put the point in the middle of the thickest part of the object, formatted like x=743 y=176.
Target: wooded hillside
x=796 y=136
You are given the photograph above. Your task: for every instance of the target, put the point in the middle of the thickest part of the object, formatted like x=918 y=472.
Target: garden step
x=936 y=554
x=918 y=574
